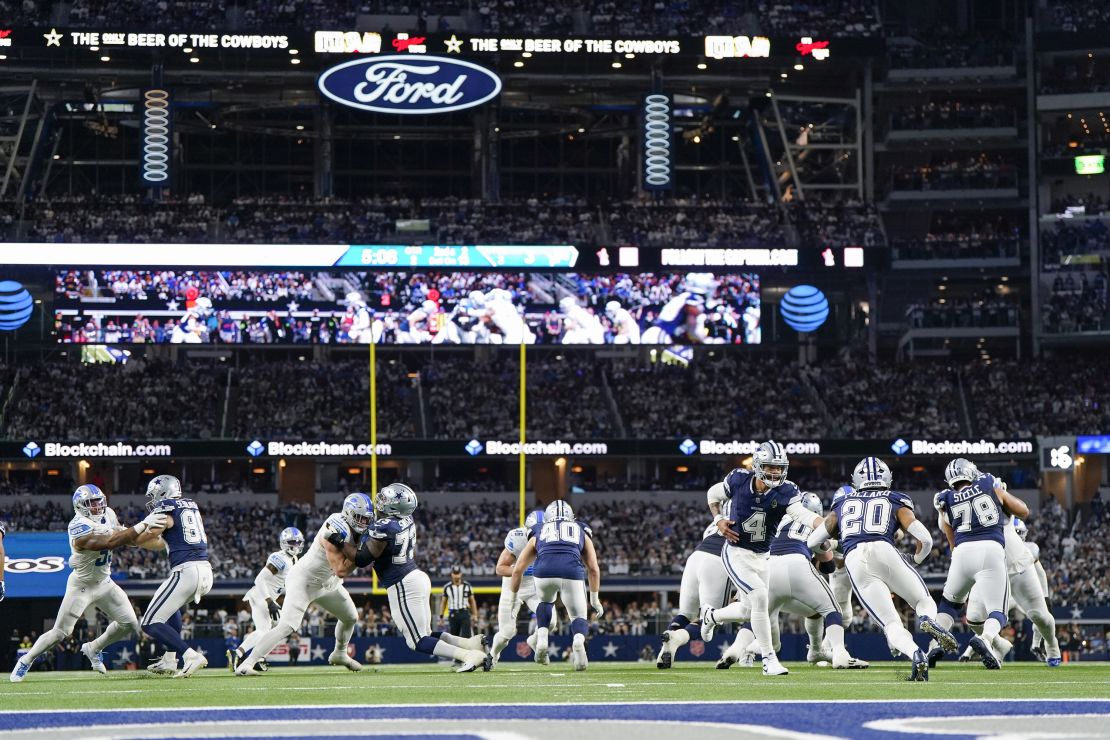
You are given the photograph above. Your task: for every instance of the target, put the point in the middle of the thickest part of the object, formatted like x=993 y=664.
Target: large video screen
x=394 y=307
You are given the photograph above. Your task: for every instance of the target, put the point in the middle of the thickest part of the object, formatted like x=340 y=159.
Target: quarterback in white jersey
x=192 y=328
x=94 y=532
x=269 y=584
x=313 y=580
x=626 y=330
x=507 y=606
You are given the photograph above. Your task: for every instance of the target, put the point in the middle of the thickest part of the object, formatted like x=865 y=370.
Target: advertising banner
x=35 y=564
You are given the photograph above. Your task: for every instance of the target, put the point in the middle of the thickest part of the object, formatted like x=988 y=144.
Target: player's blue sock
x=579 y=626
x=747 y=626
x=427 y=644
x=947 y=607
x=678 y=622
x=833 y=618
x=166 y=635
x=543 y=614
x=694 y=630
x=1002 y=620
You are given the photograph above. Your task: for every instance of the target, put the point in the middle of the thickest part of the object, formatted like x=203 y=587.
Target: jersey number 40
x=562 y=531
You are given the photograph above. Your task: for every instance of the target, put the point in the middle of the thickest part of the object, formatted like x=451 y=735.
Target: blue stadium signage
x=409 y=85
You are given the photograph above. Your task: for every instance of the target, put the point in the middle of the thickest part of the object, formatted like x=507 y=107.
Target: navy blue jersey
x=396 y=561
x=559 y=544
x=869 y=516
x=790 y=538
x=712 y=541
x=974 y=512
x=755 y=515
x=186 y=539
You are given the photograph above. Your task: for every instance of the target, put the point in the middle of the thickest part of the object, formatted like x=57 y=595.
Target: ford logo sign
x=409 y=85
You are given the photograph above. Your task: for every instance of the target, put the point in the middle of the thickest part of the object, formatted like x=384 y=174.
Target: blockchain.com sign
x=408 y=85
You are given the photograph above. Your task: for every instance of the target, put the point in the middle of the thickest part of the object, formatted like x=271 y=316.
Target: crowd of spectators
x=957 y=237
x=977 y=172
x=960 y=312
x=118 y=219
x=953 y=114
x=949 y=49
x=848 y=222
x=166 y=285
x=1067 y=238
x=695 y=222
x=1022 y=398
x=1076 y=302
x=1073 y=15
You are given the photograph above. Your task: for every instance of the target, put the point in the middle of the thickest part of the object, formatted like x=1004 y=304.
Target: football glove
x=153 y=521
x=338 y=539
x=595 y=602
x=275 y=610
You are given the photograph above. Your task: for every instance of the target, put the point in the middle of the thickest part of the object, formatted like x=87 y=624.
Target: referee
x=459 y=605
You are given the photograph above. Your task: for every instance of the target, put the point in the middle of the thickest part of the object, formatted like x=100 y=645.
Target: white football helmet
x=203 y=306
x=568 y=304
x=558 y=509
x=358 y=511
x=612 y=308
x=812 y=502
x=700 y=283
x=89 y=501
x=161 y=487
x=1021 y=529
x=960 y=470
x=291 y=541
x=770 y=455
x=396 y=500
x=871 y=474
x=354 y=298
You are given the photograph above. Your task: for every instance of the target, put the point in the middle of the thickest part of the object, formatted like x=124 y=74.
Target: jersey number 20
x=873 y=517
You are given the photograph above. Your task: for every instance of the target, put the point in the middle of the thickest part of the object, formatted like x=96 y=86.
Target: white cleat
x=193 y=663
x=772 y=666
x=578 y=657
x=841 y=658
x=344 y=660
x=162 y=667
x=20 y=671
x=245 y=668
x=540 y=647
x=813 y=657
x=475 y=659
x=708 y=625
x=747 y=660
x=857 y=663
x=94 y=658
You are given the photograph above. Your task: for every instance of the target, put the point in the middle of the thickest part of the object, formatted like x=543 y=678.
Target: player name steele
x=576 y=46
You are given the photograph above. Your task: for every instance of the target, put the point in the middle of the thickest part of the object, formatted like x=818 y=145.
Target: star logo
x=125 y=655
x=610 y=649
x=553 y=652
x=1076 y=613
x=53 y=38
x=255 y=448
x=473 y=447
x=688 y=446
x=454 y=44
x=900 y=447
x=31 y=449
x=317 y=652
x=171 y=305
x=292 y=306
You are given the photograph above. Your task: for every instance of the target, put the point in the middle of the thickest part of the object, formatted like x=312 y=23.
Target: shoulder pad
x=586 y=529
x=80 y=527
x=1034 y=550
x=382 y=528
x=901 y=499
x=277 y=560
x=939 y=499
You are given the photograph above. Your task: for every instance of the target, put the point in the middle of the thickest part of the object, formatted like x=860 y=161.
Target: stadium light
x=105 y=58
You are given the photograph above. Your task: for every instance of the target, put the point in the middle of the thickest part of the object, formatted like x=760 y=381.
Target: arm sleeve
x=265 y=583
x=920 y=532
x=817 y=537
x=716 y=494
x=800 y=514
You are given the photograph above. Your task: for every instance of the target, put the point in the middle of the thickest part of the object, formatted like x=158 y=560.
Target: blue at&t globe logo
x=804 y=308
x=15 y=305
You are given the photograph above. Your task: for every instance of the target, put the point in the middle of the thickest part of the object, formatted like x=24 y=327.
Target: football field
x=1022 y=700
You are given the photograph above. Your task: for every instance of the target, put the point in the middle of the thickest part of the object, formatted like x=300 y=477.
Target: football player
x=499 y=313
x=269 y=584
x=625 y=328
x=193 y=329
x=507 y=605
x=758 y=500
x=682 y=319
x=1024 y=582
x=867 y=519
x=317 y=578
x=704 y=584
x=581 y=326
x=971 y=516
x=94 y=532
x=364 y=329
x=189 y=580
x=390 y=546
x=564 y=557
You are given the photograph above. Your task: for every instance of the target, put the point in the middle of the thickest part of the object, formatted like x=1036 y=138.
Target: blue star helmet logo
x=688 y=446
x=474 y=447
x=900 y=447
x=255 y=448
x=31 y=449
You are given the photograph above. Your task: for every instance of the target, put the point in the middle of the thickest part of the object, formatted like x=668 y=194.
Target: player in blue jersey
x=973 y=514
x=758 y=500
x=317 y=578
x=564 y=556
x=94 y=532
x=867 y=519
x=704 y=584
x=508 y=604
x=189 y=580
x=390 y=547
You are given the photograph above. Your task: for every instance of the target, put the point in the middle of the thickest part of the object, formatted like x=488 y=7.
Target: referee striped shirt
x=457 y=595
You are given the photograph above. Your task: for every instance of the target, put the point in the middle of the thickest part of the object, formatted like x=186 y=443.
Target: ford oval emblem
x=408 y=85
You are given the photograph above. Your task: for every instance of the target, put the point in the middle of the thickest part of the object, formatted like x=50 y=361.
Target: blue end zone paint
x=844 y=719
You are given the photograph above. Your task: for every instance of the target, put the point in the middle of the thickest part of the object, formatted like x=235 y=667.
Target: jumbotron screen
x=404 y=307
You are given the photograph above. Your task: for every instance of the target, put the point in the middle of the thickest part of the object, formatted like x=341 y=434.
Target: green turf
x=525 y=682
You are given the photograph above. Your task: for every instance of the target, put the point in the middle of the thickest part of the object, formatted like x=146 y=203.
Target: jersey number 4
x=873 y=517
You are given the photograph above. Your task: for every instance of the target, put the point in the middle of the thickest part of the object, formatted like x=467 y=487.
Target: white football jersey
x=515 y=541
x=1018 y=557
x=625 y=326
x=91 y=566
x=1034 y=550
x=282 y=563
x=507 y=319
x=314 y=563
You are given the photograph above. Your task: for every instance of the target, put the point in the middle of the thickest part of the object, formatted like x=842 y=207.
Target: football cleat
x=541 y=656
x=95 y=659
x=193 y=663
x=990 y=660
x=747 y=660
x=1039 y=652
x=666 y=655
x=20 y=671
x=920 y=668
x=1053 y=662
x=346 y=661
x=941 y=635
x=841 y=658
x=857 y=663
x=708 y=625
x=232 y=660
x=475 y=659
x=934 y=656
x=261 y=666
x=815 y=656
x=163 y=667
x=727 y=661
x=578 y=657
x=772 y=666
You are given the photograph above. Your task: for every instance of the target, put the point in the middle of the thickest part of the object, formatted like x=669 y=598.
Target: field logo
x=402 y=84
x=15 y=305
x=804 y=308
